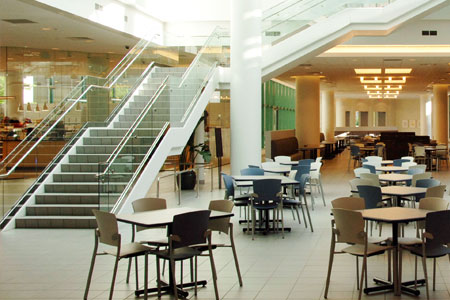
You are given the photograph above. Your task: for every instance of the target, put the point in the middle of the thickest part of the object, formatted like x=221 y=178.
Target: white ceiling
x=64 y=26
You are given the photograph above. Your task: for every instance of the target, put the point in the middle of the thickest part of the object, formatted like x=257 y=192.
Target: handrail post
x=179 y=188
x=157 y=188
x=198 y=179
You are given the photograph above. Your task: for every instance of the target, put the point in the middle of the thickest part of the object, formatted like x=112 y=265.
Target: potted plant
x=187 y=161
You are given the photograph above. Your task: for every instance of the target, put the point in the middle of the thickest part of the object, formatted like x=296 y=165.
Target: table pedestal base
x=384 y=285
x=167 y=289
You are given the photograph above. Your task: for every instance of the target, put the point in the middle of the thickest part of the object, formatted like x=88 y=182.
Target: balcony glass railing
x=290 y=17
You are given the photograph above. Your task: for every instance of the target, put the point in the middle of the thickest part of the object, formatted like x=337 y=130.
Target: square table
x=164 y=217
x=391 y=169
x=393 y=178
x=398 y=191
x=394 y=215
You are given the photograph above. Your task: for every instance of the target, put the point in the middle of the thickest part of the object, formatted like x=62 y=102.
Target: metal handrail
x=197 y=57
x=130 y=92
x=118 y=203
x=133 y=127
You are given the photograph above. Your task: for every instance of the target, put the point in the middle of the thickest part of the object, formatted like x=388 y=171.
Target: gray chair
x=359 y=171
x=107 y=233
x=186 y=231
x=240 y=201
x=252 y=171
x=371 y=194
x=427 y=183
x=434 y=242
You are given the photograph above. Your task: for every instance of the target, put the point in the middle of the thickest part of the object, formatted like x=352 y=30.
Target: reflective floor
x=53 y=264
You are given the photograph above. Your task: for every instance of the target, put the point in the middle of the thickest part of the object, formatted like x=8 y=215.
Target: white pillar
x=245 y=103
x=329 y=114
x=423 y=116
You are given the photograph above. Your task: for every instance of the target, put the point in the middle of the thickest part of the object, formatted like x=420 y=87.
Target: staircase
x=67 y=198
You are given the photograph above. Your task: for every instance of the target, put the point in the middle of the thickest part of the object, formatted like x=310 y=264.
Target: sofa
x=286 y=146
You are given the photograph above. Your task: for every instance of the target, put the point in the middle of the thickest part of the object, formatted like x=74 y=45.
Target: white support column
x=329 y=114
x=245 y=103
x=423 y=115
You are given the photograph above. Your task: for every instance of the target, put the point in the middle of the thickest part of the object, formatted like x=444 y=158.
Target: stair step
x=79 y=198
x=130 y=148
x=120 y=132
x=94 y=167
x=84 y=187
x=61 y=210
x=90 y=177
x=56 y=222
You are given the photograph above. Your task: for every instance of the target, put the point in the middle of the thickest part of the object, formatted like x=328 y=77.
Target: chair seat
x=265 y=206
x=372 y=249
x=130 y=250
x=430 y=251
x=376 y=240
x=178 y=254
x=408 y=241
x=204 y=247
x=162 y=242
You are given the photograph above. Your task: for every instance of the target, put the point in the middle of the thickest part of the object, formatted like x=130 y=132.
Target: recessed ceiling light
x=391 y=93
x=395 y=81
x=374 y=80
x=390 y=96
x=393 y=88
x=375 y=96
x=372 y=88
x=397 y=70
x=367 y=71
x=374 y=93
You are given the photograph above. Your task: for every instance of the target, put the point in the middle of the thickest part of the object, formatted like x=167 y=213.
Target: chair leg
x=146 y=277
x=137 y=274
x=415 y=272
x=195 y=276
x=400 y=264
x=158 y=277
x=434 y=274
x=298 y=215
x=363 y=271
x=172 y=266
x=389 y=266
x=214 y=274
x=330 y=266
x=424 y=265
x=282 y=223
x=116 y=264
x=129 y=270
x=321 y=192
x=357 y=273
x=304 y=217
x=236 y=262
x=307 y=212
x=91 y=270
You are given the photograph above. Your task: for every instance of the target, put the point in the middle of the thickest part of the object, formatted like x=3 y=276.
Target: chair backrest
x=302 y=179
x=304 y=162
x=371 y=194
x=419 y=169
x=374 y=159
x=436 y=191
x=409 y=164
x=419 y=176
x=410 y=158
x=319 y=159
x=301 y=169
x=316 y=173
x=349 y=225
x=190 y=228
x=229 y=186
x=379 y=150
x=419 y=151
x=441 y=150
x=399 y=162
x=147 y=204
x=358 y=181
x=107 y=229
x=433 y=203
x=269 y=159
x=267 y=190
x=373 y=178
x=221 y=224
x=254 y=166
x=437 y=223
x=371 y=167
x=269 y=164
x=252 y=171
x=282 y=158
x=354 y=150
x=359 y=171
x=352 y=203
x=427 y=183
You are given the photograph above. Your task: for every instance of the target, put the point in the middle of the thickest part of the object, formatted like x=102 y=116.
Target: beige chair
x=359 y=171
x=282 y=158
x=348 y=227
x=354 y=185
x=419 y=154
x=223 y=225
x=373 y=178
x=142 y=205
x=352 y=203
x=315 y=179
x=436 y=191
x=108 y=233
x=441 y=154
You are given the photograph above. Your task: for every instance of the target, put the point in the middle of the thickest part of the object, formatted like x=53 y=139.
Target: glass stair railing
x=171 y=107
x=290 y=17
x=93 y=102
x=119 y=147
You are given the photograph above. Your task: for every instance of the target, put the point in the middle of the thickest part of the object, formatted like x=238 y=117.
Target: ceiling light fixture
x=374 y=80
x=374 y=93
x=391 y=93
x=390 y=96
x=397 y=70
x=375 y=96
x=395 y=81
x=372 y=88
x=393 y=88
x=367 y=71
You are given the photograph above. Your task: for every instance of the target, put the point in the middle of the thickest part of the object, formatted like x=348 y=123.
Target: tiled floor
x=53 y=264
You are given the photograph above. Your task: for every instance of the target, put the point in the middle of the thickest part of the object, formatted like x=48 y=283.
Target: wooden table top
x=394 y=177
x=397 y=190
x=163 y=217
x=391 y=169
x=394 y=214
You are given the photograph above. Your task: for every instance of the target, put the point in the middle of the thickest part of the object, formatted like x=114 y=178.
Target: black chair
x=266 y=197
x=187 y=230
x=434 y=242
